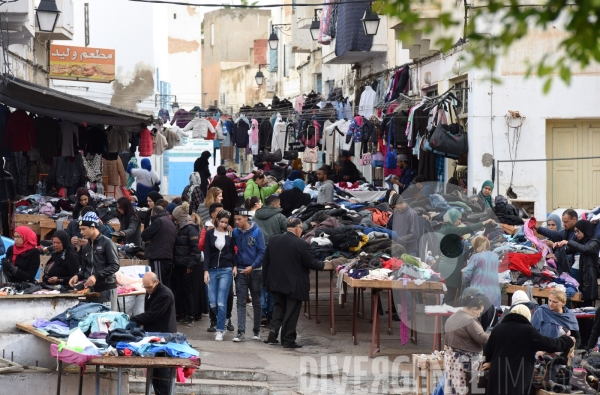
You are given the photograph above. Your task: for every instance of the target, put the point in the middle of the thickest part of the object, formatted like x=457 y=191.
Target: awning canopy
x=24 y=95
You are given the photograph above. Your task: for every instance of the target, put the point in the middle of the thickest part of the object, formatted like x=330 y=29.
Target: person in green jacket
x=256 y=187
x=452 y=260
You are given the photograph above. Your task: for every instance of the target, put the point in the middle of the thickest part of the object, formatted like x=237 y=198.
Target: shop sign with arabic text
x=82 y=63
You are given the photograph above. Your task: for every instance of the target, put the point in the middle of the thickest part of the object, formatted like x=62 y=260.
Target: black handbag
x=290 y=155
x=449 y=141
x=272 y=156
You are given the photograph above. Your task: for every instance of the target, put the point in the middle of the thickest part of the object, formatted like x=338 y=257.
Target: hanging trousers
x=285 y=317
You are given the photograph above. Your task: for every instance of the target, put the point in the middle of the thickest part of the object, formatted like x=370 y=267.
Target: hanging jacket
x=265 y=135
x=114 y=170
x=240 y=137
x=253 y=135
x=19 y=132
x=67 y=172
x=200 y=128
x=146 y=145
x=182 y=117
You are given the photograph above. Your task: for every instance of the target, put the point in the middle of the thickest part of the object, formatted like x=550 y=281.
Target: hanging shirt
x=278 y=139
x=367 y=102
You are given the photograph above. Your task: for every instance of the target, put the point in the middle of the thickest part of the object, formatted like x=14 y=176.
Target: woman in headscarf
x=23 y=258
x=146 y=181
x=511 y=350
x=484 y=197
x=201 y=167
x=289 y=183
x=482 y=270
x=452 y=260
x=585 y=259
x=294 y=198
x=64 y=262
x=83 y=199
x=195 y=192
x=554 y=223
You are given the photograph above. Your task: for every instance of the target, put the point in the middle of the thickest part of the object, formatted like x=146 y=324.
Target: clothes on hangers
x=367 y=102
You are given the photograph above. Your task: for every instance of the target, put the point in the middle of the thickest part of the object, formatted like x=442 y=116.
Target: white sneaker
x=256 y=336
x=240 y=337
x=219 y=336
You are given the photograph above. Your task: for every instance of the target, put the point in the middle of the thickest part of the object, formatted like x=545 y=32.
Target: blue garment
x=268 y=303
x=78 y=313
x=438 y=201
x=406 y=179
x=366 y=230
x=482 y=273
x=547 y=321
x=218 y=291
x=251 y=247
x=575 y=274
x=288 y=184
x=339 y=109
x=174 y=350
x=92 y=321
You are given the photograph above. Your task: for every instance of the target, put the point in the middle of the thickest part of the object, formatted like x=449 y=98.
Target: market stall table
x=537 y=293
x=119 y=362
x=331 y=269
x=134 y=293
x=376 y=286
x=367 y=196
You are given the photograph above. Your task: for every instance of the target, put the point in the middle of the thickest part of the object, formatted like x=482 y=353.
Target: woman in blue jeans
x=219 y=268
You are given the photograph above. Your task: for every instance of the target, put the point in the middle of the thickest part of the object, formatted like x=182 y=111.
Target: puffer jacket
x=270 y=221
x=146 y=145
x=113 y=169
x=186 y=252
x=99 y=258
x=67 y=174
x=200 y=128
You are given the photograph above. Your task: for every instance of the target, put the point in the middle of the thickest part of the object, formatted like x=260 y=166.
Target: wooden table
x=376 y=286
x=134 y=293
x=43 y=225
x=331 y=269
x=537 y=293
x=119 y=362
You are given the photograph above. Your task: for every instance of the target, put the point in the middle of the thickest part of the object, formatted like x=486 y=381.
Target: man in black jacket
x=99 y=262
x=158 y=316
x=160 y=242
x=227 y=185
x=7 y=192
x=286 y=269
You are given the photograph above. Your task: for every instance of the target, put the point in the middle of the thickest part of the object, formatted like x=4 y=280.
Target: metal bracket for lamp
x=273 y=38
x=165 y=98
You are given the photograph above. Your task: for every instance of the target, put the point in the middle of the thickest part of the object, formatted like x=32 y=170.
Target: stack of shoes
x=579 y=382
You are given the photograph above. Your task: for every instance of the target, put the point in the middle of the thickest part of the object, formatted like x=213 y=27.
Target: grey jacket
x=270 y=221
x=326 y=192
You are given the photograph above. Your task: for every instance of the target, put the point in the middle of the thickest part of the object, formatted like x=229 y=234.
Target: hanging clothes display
x=19 y=133
x=367 y=102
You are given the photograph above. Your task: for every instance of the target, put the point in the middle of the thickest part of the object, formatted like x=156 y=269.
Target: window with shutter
x=287 y=54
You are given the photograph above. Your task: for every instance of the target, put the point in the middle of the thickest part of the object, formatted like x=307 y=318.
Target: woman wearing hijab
x=151 y=200
x=554 y=223
x=83 y=199
x=585 y=256
x=64 y=262
x=23 y=258
x=484 y=197
x=201 y=167
x=146 y=180
x=294 y=198
x=452 y=260
x=482 y=270
x=289 y=183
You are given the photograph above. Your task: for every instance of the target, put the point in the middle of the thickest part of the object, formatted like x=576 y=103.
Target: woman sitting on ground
x=465 y=339
x=511 y=352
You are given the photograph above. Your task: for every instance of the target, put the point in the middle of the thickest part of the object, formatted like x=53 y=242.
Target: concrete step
x=204 y=374
x=208 y=387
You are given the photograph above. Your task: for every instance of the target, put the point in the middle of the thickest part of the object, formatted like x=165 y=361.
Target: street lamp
x=273 y=39
x=47 y=15
x=370 y=22
x=315 y=26
x=259 y=77
x=175 y=106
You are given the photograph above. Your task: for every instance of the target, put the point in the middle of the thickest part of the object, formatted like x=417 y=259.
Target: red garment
x=202 y=238
x=380 y=218
x=392 y=263
x=531 y=223
x=146 y=146
x=29 y=242
x=210 y=135
x=19 y=133
x=523 y=262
